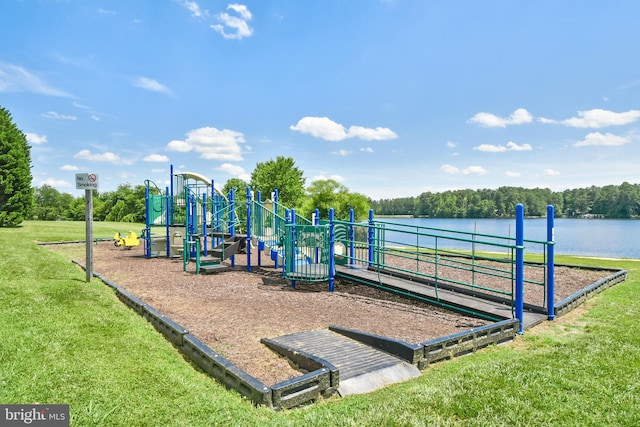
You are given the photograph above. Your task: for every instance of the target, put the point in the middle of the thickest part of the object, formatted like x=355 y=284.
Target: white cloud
x=36 y=139
x=71 y=168
x=606 y=139
x=235 y=170
x=151 y=85
x=238 y=24
x=511 y=174
x=211 y=143
x=550 y=172
x=56 y=183
x=370 y=134
x=327 y=129
x=474 y=170
x=341 y=152
x=17 y=79
x=106 y=11
x=324 y=177
x=156 y=158
x=511 y=146
x=103 y=157
x=179 y=146
x=518 y=117
x=449 y=169
x=471 y=170
x=367 y=149
x=452 y=144
x=194 y=8
x=158 y=170
x=58 y=116
x=597 y=118
x=321 y=127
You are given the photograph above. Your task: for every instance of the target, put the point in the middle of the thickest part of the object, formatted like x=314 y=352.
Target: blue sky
x=389 y=97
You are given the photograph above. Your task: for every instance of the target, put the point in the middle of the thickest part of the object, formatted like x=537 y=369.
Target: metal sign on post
x=88 y=182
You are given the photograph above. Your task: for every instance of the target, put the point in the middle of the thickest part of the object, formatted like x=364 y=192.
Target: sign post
x=88 y=182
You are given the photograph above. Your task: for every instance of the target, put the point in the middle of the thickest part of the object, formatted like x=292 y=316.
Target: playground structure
x=194 y=221
x=478 y=274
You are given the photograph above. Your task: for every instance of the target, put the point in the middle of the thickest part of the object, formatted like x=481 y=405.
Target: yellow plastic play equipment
x=127 y=241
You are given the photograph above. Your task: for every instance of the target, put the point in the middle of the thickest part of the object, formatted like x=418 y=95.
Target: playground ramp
x=451 y=297
x=361 y=368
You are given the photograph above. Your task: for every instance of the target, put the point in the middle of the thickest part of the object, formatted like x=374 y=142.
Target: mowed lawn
x=67 y=341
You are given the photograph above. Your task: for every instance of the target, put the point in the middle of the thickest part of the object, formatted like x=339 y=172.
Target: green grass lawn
x=68 y=341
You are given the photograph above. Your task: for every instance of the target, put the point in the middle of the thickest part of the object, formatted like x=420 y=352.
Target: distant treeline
x=611 y=201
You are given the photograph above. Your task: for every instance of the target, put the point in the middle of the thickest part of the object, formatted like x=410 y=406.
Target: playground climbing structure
x=191 y=219
x=206 y=227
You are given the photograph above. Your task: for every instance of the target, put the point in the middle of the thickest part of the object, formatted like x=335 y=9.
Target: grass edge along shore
x=68 y=341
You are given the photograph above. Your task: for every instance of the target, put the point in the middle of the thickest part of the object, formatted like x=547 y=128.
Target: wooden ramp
x=361 y=368
x=445 y=297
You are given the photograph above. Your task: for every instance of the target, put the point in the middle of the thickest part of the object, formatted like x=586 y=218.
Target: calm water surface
x=610 y=238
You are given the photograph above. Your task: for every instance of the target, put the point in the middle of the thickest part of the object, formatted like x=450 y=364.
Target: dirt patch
x=232 y=311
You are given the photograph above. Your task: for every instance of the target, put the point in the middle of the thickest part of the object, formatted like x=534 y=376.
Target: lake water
x=609 y=238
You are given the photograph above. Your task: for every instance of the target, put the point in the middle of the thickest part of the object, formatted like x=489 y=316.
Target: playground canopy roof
x=199 y=178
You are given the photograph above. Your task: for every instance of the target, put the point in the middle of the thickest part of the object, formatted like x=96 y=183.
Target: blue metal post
x=352 y=250
x=551 y=313
x=167 y=223
x=260 y=227
x=276 y=226
x=520 y=266
x=248 y=241
x=204 y=224
x=292 y=250
x=214 y=241
x=316 y=221
x=232 y=218
x=370 y=235
x=332 y=242
x=147 y=224
x=170 y=218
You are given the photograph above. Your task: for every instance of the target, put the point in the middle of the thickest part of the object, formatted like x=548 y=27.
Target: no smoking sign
x=86 y=181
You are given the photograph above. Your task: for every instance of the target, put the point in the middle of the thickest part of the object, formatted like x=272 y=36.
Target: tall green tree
x=16 y=194
x=326 y=194
x=49 y=204
x=126 y=204
x=283 y=175
x=239 y=188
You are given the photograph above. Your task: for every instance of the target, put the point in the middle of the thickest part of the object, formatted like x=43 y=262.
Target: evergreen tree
x=16 y=194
